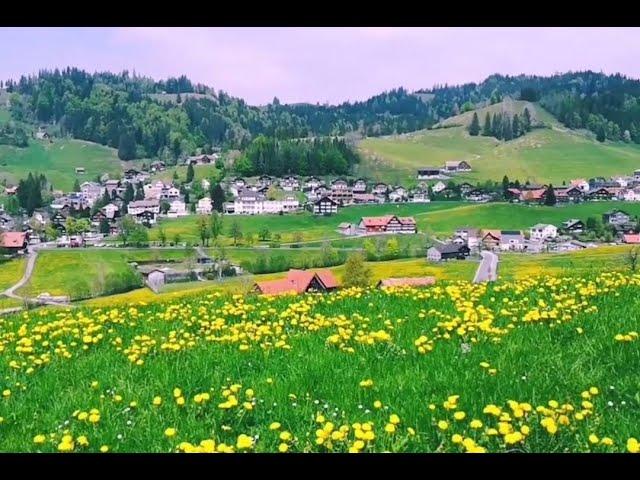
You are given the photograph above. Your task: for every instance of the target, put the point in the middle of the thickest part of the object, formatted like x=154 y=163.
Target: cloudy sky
x=321 y=64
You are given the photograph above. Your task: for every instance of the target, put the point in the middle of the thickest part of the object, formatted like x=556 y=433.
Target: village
x=93 y=215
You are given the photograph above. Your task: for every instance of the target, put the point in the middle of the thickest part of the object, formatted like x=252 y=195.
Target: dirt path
x=488 y=268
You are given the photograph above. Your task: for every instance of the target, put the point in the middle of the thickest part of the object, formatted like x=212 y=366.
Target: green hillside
x=538 y=114
x=57 y=161
x=549 y=154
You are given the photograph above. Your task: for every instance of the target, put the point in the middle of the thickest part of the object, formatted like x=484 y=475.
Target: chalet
x=203 y=159
x=59 y=220
x=398 y=194
x=290 y=183
x=157 y=166
x=490 y=239
x=428 y=172
x=325 y=206
x=43 y=135
x=267 y=181
x=204 y=206
x=466 y=187
x=532 y=196
x=457 y=166
x=438 y=187
x=573 y=225
x=543 y=231
x=339 y=184
x=138 y=206
x=299 y=281
x=574 y=194
x=131 y=173
x=406 y=282
x=359 y=198
x=177 y=208
x=360 y=186
x=341 y=192
x=420 y=196
x=387 y=224
x=312 y=183
x=581 y=184
x=513 y=194
x=600 y=193
x=80 y=170
x=511 y=240
x=470 y=235
x=448 y=192
x=112 y=186
x=616 y=217
x=622 y=181
x=447 y=251
x=146 y=217
x=14 y=242
x=380 y=189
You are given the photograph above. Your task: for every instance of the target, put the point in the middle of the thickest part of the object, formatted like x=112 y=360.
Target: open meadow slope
x=540 y=365
x=543 y=155
x=57 y=161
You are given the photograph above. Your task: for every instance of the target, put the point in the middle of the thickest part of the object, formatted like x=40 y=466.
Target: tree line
x=501 y=125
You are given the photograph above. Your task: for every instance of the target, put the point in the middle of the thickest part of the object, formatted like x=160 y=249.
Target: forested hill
x=169 y=119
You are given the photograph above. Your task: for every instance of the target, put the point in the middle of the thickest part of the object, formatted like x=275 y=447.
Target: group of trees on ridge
x=501 y=125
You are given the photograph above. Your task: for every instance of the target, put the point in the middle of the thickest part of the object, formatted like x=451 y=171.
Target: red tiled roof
x=407 y=220
x=376 y=221
x=533 y=194
x=297 y=281
x=12 y=239
x=631 y=238
x=400 y=282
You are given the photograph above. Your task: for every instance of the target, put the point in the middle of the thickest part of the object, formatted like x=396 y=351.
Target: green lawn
x=542 y=155
x=57 y=161
x=11 y=272
x=82 y=273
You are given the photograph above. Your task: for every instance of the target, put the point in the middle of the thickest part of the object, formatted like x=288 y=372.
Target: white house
x=312 y=183
x=543 y=231
x=91 y=192
x=204 y=206
x=110 y=210
x=253 y=203
x=398 y=194
x=380 y=189
x=177 y=208
x=420 y=197
x=629 y=195
x=511 y=240
x=325 y=206
x=153 y=190
x=470 y=235
x=438 y=187
x=139 y=206
x=290 y=183
x=360 y=186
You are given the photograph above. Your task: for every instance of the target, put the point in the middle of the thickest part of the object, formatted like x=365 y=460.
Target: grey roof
x=449 y=248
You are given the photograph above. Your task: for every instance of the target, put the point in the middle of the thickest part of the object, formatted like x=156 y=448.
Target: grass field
x=11 y=272
x=542 y=155
x=90 y=272
x=542 y=365
x=57 y=161
x=312 y=227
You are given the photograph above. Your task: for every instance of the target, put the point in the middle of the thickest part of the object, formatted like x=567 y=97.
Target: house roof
x=631 y=238
x=401 y=282
x=364 y=196
x=376 y=221
x=537 y=194
x=344 y=225
x=469 y=230
x=407 y=220
x=578 y=181
x=493 y=233
x=297 y=281
x=12 y=239
x=454 y=163
x=450 y=247
x=325 y=199
x=144 y=203
x=540 y=226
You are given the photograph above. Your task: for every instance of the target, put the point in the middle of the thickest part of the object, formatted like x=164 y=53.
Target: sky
x=320 y=64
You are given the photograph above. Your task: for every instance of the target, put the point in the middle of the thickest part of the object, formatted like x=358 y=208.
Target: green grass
x=312 y=227
x=200 y=172
x=90 y=272
x=57 y=161
x=543 y=155
x=305 y=357
x=11 y=272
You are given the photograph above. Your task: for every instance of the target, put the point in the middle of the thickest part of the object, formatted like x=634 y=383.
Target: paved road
x=488 y=268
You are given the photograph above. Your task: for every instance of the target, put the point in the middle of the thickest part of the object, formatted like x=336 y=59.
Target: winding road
x=488 y=268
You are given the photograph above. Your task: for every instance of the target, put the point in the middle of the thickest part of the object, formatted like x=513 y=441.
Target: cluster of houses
x=452 y=167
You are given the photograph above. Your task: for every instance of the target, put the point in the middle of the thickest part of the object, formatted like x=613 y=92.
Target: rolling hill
x=546 y=154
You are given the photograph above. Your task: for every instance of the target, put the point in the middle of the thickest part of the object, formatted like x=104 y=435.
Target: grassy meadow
x=57 y=161
x=11 y=272
x=543 y=155
x=509 y=366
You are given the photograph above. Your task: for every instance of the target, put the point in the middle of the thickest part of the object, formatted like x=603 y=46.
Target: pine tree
x=505 y=186
x=76 y=185
x=496 y=126
x=486 y=130
x=190 y=173
x=526 y=122
x=474 y=128
x=516 y=126
x=104 y=226
x=550 y=196
x=507 y=131
x=601 y=135
x=128 y=193
x=217 y=197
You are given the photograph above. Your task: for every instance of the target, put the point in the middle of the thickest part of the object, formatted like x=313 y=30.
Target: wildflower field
x=548 y=364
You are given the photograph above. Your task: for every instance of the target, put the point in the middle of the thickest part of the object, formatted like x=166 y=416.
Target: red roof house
x=299 y=281
x=13 y=240
x=631 y=238
x=388 y=223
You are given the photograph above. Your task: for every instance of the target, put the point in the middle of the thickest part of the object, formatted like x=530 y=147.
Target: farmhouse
x=204 y=206
x=543 y=231
x=601 y=193
x=406 y=282
x=11 y=190
x=532 y=196
x=616 y=217
x=511 y=240
x=325 y=206
x=490 y=239
x=157 y=166
x=299 y=281
x=447 y=251
x=428 y=172
x=398 y=194
x=581 y=184
x=470 y=236
x=360 y=186
x=387 y=224
x=80 y=170
x=457 y=166
x=14 y=241
x=573 y=225
x=420 y=196
x=380 y=189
